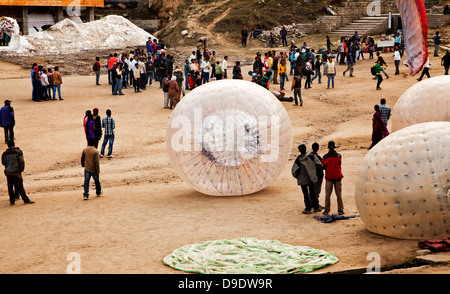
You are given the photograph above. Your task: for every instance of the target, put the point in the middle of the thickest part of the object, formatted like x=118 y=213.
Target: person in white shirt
x=330 y=71
x=425 y=70
x=143 y=73
x=225 y=66
x=206 y=67
x=44 y=83
x=192 y=57
x=397 y=58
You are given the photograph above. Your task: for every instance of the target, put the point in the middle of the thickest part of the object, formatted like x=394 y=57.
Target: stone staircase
x=365 y=26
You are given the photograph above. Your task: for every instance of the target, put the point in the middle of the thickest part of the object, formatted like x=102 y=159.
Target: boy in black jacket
x=14 y=164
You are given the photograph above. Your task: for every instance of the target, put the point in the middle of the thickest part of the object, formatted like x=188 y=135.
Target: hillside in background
x=219 y=20
x=224 y=19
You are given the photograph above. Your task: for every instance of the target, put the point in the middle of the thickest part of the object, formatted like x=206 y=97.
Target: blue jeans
x=297 y=96
x=282 y=78
x=87 y=179
x=97 y=77
x=293 y=67
x=150 y=77
x=118 y=87
x=318 y=74
x=57 y=87
x=331 y=78
x=125 y=78
x=205 y=77
x=107 y=138
x=186 y=80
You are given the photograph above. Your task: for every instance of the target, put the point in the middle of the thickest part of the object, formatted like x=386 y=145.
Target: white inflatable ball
x=403 y=184
x=229 y=137
x=426 y=101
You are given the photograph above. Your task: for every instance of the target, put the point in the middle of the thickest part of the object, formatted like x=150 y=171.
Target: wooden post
x=24 y=20
x=91 y=16
x=59 y=14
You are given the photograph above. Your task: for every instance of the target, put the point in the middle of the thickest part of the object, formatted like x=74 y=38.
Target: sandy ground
x=146 y=211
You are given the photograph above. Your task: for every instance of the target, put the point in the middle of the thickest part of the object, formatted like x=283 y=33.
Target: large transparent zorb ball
x=229 y=137
x=426 y=101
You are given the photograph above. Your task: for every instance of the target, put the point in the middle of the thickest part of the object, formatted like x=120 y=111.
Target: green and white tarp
x=248 y=256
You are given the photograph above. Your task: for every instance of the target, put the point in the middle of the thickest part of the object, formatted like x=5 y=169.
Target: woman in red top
x=379 y=130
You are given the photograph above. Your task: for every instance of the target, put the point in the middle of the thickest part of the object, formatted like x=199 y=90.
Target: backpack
x=373 y=71
x=264 y=81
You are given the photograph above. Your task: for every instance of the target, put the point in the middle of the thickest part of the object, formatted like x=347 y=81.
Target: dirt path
x=147 y=211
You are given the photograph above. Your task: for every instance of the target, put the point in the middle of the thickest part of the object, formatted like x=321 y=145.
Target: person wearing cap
x=332 y=162
x=7 y=120
x=14 y=164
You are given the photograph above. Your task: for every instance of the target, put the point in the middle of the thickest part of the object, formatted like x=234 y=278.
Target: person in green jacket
x=378 y=70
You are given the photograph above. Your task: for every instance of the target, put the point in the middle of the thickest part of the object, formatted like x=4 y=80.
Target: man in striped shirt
x=385 y=111
x=109 y=125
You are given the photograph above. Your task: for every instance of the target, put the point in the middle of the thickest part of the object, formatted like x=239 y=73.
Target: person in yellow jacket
x=282 y=72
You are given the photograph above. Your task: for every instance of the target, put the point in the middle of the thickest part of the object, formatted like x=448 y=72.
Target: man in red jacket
x=332 y=162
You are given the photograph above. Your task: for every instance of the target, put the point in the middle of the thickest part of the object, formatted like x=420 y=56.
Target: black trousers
x=426 y=72
x=380 y=79
x=9 y=133
x=310 y=197
x=136 y=83
x=17 y=183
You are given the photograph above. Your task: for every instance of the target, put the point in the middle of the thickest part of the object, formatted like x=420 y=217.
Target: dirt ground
x=146 y=210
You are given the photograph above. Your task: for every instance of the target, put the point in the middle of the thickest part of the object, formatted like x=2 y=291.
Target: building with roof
x=36 y=15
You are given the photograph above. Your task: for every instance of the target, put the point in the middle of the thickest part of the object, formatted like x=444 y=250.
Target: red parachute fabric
x=415 y=31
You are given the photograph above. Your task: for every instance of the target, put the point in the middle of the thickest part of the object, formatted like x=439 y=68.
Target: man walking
x=14 y=164
x=350 y=63
x=332 y=162
x=90 y=162
x=379 y=77
x=425 y=70
x=397 y=58
x=304 y=170
x=109 y=125
x=7 y=120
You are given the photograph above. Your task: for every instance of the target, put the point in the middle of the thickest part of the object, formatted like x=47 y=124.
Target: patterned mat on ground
x=248 y=256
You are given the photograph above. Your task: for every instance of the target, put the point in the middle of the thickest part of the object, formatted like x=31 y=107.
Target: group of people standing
x=310 y=169
x=46 y=83
x=305 y=64
x=93 y=129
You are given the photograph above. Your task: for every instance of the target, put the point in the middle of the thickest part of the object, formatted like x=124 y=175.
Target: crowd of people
x=140 y=69
x=46 y=83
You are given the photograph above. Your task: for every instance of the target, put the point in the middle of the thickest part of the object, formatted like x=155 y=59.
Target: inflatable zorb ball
x=403 y=184
x=426 y=101
x=229 y=138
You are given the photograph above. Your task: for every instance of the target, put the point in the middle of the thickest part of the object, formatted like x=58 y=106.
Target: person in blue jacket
x=7 y=120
